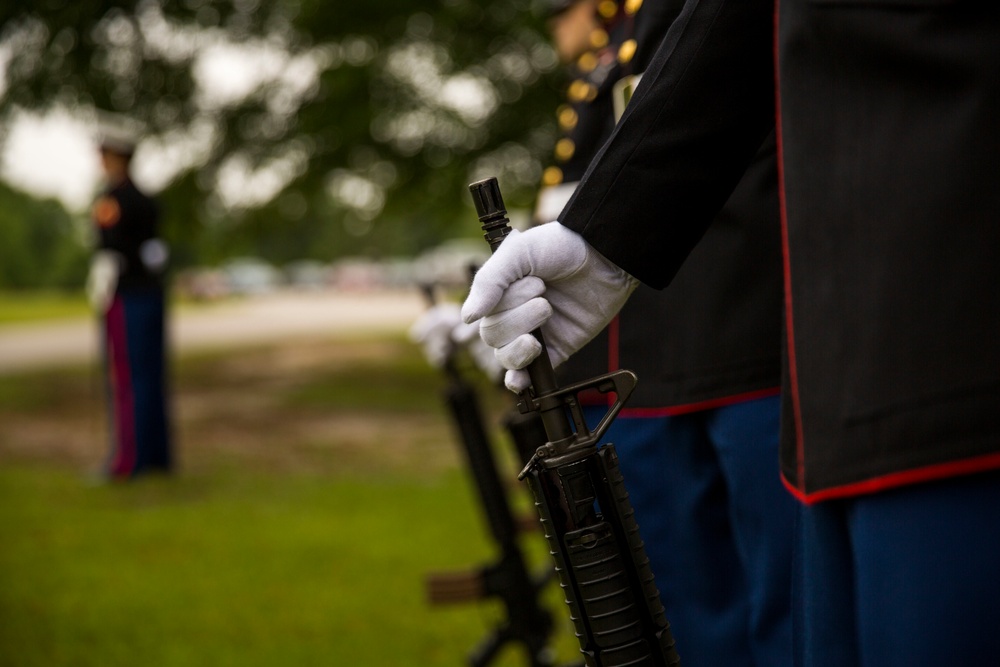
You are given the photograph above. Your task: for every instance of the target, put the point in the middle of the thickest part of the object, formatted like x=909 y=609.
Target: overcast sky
x=53 y=155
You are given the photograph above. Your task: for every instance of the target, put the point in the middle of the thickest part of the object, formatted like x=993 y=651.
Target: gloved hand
x=583 y=292
x=154 y=253
x=102 y=279
x=481 y=353
x=441 y=329
x=432 y=331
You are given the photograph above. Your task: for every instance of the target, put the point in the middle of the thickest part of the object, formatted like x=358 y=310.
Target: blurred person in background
x=698 y=439
x=126 y=287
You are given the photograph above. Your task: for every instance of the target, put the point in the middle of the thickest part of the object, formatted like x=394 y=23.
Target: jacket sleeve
x=703 y=108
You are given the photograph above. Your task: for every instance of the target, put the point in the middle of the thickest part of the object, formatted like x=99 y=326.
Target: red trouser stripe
x=123 y=403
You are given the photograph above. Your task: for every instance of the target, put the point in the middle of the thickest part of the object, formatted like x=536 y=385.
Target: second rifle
x=527 y=622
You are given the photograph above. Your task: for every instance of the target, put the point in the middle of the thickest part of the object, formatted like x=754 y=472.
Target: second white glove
x=440 y=331
x=582 y=293
x=433 y=332
x=102 y=279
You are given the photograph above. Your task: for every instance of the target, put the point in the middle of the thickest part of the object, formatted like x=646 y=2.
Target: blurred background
x=311 y=160
x=286 y=131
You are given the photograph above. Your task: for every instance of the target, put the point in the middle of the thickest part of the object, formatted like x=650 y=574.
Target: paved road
x=247 y=321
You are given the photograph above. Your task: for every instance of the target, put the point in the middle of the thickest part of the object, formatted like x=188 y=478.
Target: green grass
x=35 y=306
x=406 y=387
x=234 y=570
x=281 y=541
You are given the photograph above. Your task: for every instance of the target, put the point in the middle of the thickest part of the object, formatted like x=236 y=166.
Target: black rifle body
x=584 y=508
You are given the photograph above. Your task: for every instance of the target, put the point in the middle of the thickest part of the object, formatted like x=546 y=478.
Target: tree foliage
x=358 y=133
x=41 y=244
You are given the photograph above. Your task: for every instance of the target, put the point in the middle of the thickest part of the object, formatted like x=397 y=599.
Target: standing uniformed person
x=126 y=288
x=888 y=141
x=698 y=439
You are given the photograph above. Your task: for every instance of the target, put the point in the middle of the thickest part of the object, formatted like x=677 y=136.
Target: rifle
x=584 y=509
x=527 y=622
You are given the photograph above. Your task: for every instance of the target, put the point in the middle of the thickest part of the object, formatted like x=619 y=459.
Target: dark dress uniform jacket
x=131 y=219
x=714 y=336
x=888 y=121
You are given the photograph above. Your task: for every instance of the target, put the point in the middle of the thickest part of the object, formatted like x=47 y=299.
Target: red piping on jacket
x=614 y=363
x=897 y=479
x=687 y=408
x=787 y=264
x=614 y=360
x=613 y=353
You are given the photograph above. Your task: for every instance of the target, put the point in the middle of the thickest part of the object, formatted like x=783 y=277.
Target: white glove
x=432 y=331
x=583 y=292
x=154 y=253
x=102 y=279
x=481 y=353
x=440 y=329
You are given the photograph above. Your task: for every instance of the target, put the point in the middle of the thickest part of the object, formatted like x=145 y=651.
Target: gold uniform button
x=587 y=62
x=632 y=6
x=626 y=51
x=552 y=176
x=580 y=91
x=607 y=9
x=565 y=149
x=599 y=38
x=568 y=118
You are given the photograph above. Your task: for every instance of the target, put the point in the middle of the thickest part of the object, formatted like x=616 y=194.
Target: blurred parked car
x=451 y=264
x=249 y=275
x=308 y=274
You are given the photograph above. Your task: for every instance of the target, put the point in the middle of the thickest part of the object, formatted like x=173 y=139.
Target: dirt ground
x=289 y=381
x=322 y=406
x=278 y=316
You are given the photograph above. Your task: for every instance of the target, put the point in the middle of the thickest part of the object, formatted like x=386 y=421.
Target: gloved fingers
x=485 y=359
x=465 y=333
x=517 y=380
x=492 y=279
x=519 y=352
x=433 y=331
x=436 y=351
x=420 y=330
x=501 y=328
x=519 y=292
x=434 y=321
x=551 y=252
